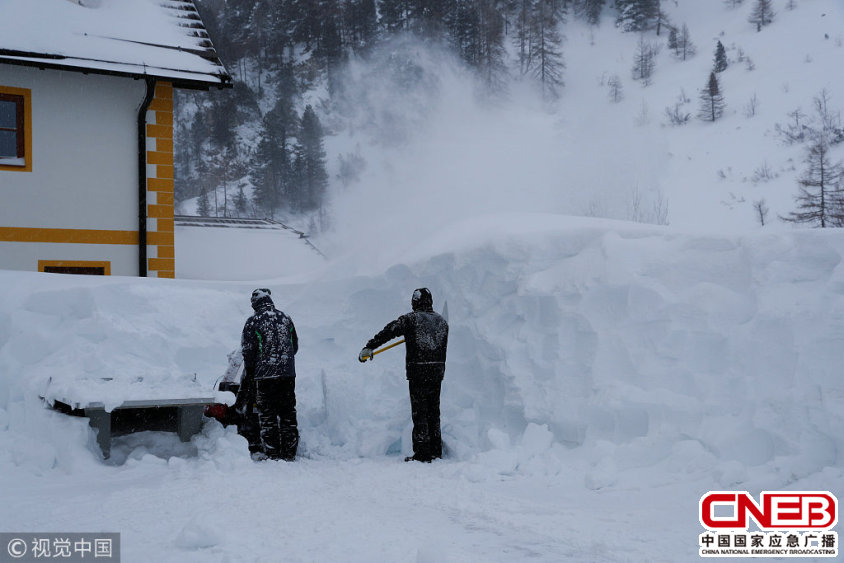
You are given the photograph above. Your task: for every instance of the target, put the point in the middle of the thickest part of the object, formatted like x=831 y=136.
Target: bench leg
x=189 y=421
x=100 y=420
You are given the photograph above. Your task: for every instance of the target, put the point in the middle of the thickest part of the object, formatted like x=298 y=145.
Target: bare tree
x=616 y=90
x=830 y=120
x=644 y=209
x=643 y=117
x=761 y=209
x=676 y=115
x=751 y=107
x=681 y=43
x=762 y=14
x=763 y=173
x=644 y=60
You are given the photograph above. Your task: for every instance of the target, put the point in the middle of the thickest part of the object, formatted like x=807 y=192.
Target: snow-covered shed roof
x=139 y=38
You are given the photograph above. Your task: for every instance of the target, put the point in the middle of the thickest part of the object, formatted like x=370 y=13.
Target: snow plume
x=435 y=148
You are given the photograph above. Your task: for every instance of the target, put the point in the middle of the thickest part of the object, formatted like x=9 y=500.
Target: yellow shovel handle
x=385 y=348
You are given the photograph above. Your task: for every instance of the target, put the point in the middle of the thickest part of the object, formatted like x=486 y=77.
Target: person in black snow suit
x=269 y=344
x=426 y=340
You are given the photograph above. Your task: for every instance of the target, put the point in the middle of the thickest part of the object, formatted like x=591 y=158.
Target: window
x=15 y=129
x=11 y=126
x=89 y=268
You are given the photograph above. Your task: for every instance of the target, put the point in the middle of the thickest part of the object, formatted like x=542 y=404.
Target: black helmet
x=422 y=300
x=260 y=296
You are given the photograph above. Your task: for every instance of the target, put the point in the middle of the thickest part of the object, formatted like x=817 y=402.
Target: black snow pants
x=425 y=382
x=276 y=400
x=248 y=425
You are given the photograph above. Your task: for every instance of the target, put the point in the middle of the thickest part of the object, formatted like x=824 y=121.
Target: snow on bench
x=123 y=407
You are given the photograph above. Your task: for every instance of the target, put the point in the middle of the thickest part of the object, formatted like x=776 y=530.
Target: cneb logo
x=781 y=510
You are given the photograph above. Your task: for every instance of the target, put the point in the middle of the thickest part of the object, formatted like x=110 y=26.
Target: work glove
x=365 y=354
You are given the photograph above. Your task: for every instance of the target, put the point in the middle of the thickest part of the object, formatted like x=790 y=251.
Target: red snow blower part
x=217 y=410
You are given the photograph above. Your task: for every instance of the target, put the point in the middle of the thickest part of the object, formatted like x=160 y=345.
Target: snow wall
x=641 y=353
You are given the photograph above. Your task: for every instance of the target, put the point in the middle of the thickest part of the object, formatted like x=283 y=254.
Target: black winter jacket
x=426 y=338
x=269 y=343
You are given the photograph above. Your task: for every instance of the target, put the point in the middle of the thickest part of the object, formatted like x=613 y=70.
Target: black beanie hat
x=422 y=300
x=259 y=296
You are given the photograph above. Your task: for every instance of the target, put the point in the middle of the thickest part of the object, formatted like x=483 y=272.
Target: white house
x=86 y=131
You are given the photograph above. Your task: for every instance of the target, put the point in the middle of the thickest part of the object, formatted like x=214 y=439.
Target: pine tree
x=644 y=61
x=430 y=18
x=203 y=208
x=272 y=165
x=523 y=34
x=720 y=58
x=591 y=10
x=223 y=117
x=188 y=154
x=672 y=39
x=476 y=30
x=241 y=204
x=395 y=15
x=662 y=19
x=227 y=167
x=360 y=23
x=330 y=50
x=540 y=44
x=637 y=15
x=820 y=200
x=712 y=101
x=490 y=52
x=311 y=179
x=762 y=14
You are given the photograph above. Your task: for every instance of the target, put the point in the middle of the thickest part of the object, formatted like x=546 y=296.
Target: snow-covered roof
x=139 y=38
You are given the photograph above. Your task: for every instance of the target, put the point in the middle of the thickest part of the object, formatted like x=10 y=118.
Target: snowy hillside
x=438 y=153
x=602 y=376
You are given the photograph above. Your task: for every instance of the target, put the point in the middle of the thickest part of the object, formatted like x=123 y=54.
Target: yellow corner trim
x=167 y=264
x=106 y=266
x=160 y=184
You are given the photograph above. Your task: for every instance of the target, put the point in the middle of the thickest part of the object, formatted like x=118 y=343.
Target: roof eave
x=223 y=79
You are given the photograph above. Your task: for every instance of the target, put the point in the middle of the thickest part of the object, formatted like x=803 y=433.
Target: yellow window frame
x=26 y=94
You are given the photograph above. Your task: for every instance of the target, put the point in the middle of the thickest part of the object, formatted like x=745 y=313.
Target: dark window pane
x=8 y=114
x=85 y=270
x=8 y=144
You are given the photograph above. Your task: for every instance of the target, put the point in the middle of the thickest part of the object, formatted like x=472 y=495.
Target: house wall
x=80 y=200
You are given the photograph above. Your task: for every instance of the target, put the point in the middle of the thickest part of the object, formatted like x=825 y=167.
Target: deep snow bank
x=644 y=353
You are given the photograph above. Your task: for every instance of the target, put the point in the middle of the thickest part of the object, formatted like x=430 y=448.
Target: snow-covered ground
x=602 y=376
